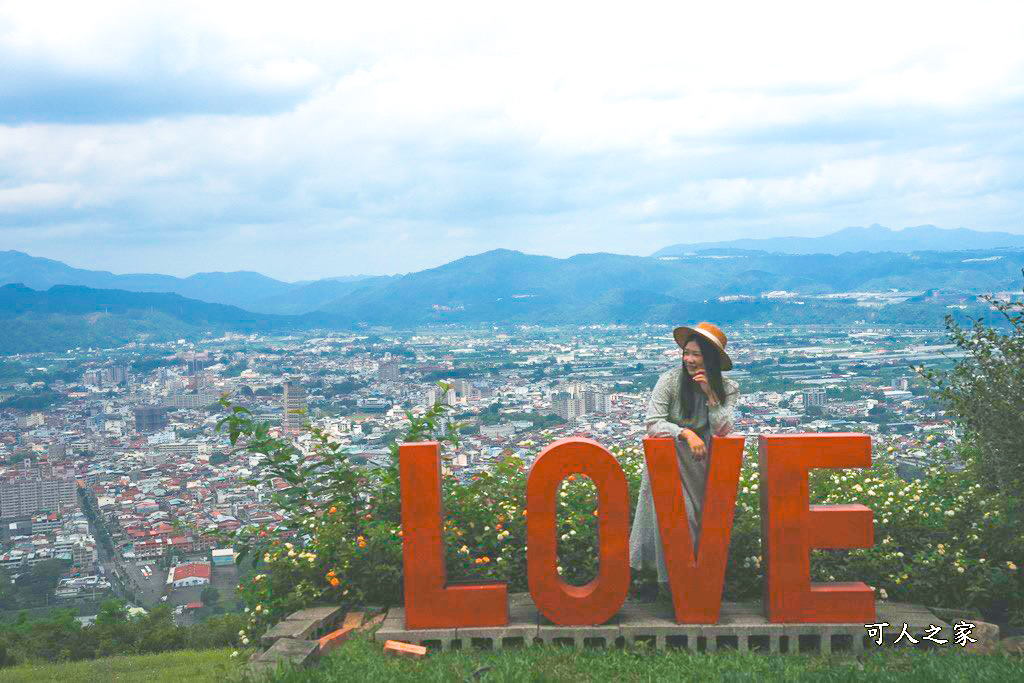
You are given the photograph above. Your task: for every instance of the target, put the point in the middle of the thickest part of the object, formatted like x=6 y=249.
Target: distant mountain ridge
x=67 y=316
x=504 y=285
x=875 y=238
x=509 y=287
x=246 y=289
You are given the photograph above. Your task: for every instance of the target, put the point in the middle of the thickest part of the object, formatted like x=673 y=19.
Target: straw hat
x=709 y=331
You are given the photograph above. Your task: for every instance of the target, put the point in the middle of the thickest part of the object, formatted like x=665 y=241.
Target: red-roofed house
x=190 y=574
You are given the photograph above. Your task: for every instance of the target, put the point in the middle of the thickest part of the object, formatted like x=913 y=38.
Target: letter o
x=599 y=600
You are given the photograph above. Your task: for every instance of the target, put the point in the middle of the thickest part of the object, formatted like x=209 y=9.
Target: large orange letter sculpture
x=599 y=600
x=696 y=581
x=790 y=528
x=429 y=602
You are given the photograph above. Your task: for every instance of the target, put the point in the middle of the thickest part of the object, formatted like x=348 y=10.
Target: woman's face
x=693 y=359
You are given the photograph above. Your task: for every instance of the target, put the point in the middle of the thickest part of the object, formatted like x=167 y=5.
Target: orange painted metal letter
x=599 y=600
x=696 y=582
x=429 y=602
x=790 y=528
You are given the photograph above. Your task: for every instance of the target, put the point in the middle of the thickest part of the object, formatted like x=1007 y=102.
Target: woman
x=690 y=403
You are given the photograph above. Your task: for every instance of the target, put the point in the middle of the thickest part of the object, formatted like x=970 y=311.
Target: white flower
x=960 y=570
x=235 y=653
x=1011 y=565
x=565 y=537
x=950 y=513
x=857 y=487
x=245 y=641
x=883 y=594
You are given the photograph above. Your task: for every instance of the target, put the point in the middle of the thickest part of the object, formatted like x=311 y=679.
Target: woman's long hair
x=713 y=369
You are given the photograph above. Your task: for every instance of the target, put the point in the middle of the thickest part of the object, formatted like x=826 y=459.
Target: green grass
x=361 y=659
x=191 y=666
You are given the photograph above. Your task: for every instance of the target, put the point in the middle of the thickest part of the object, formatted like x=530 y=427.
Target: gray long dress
x=665 y=418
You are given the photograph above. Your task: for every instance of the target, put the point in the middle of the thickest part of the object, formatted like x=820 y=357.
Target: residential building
x=293 y=400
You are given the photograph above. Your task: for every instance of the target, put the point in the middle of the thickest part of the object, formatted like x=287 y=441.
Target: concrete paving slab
x=298 y=652
x=325 y=615
x=299 y=629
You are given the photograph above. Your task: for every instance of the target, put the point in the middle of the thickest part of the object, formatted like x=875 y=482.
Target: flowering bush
x=939 y=540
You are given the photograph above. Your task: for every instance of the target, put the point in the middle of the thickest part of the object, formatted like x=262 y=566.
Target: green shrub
x=939 y=540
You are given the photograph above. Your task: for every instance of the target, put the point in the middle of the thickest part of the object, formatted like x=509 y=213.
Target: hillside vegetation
x=195 y=666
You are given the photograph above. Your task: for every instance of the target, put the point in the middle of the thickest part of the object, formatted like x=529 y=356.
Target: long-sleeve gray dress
x=665 y=418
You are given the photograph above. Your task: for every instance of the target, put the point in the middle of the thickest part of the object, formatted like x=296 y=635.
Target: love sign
x=789 y=529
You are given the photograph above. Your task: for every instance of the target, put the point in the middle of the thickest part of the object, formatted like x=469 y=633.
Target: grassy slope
x=193 y=666
x=362 y=659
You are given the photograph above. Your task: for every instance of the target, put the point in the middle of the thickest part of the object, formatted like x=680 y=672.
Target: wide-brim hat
x=709 y=331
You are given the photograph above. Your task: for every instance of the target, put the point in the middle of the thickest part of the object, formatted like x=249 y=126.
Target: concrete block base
x=741 y=626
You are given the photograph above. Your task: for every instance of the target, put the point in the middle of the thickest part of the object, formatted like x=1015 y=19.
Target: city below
x=112 y=465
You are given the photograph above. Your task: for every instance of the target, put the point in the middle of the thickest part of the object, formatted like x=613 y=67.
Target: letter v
x=696 y=583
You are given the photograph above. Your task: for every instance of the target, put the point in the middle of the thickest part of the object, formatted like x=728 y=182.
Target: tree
x=41 y=580
x=112 y=611
x=985 y=393
x=209 y=596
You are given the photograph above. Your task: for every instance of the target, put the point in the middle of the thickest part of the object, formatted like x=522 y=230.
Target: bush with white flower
x=940 y=540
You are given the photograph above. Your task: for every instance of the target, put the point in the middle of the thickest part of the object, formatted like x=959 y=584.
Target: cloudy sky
x=314 y=140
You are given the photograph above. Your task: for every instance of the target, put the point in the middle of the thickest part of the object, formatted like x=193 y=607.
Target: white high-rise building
x=293 y=399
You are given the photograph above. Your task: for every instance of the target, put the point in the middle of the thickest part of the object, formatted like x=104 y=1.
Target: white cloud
x=310 y=140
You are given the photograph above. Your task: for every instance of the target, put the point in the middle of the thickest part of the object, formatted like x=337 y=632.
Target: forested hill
x=504 y=285
x=70 y=316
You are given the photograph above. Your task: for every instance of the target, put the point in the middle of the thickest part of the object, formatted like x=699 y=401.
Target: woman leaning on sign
x=690 y=403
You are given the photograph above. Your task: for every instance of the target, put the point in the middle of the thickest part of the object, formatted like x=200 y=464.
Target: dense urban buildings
x=137 y=462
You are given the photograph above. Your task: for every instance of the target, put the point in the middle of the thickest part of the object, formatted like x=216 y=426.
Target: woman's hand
x=695 y=443
x=701 y=378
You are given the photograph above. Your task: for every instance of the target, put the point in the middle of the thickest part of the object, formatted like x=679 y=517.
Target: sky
x=308 y=140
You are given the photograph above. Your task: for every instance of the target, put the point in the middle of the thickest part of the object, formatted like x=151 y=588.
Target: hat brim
x=681 y=334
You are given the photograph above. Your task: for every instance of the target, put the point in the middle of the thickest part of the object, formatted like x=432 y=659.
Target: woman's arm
x=657 y=409
x=720 y=416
